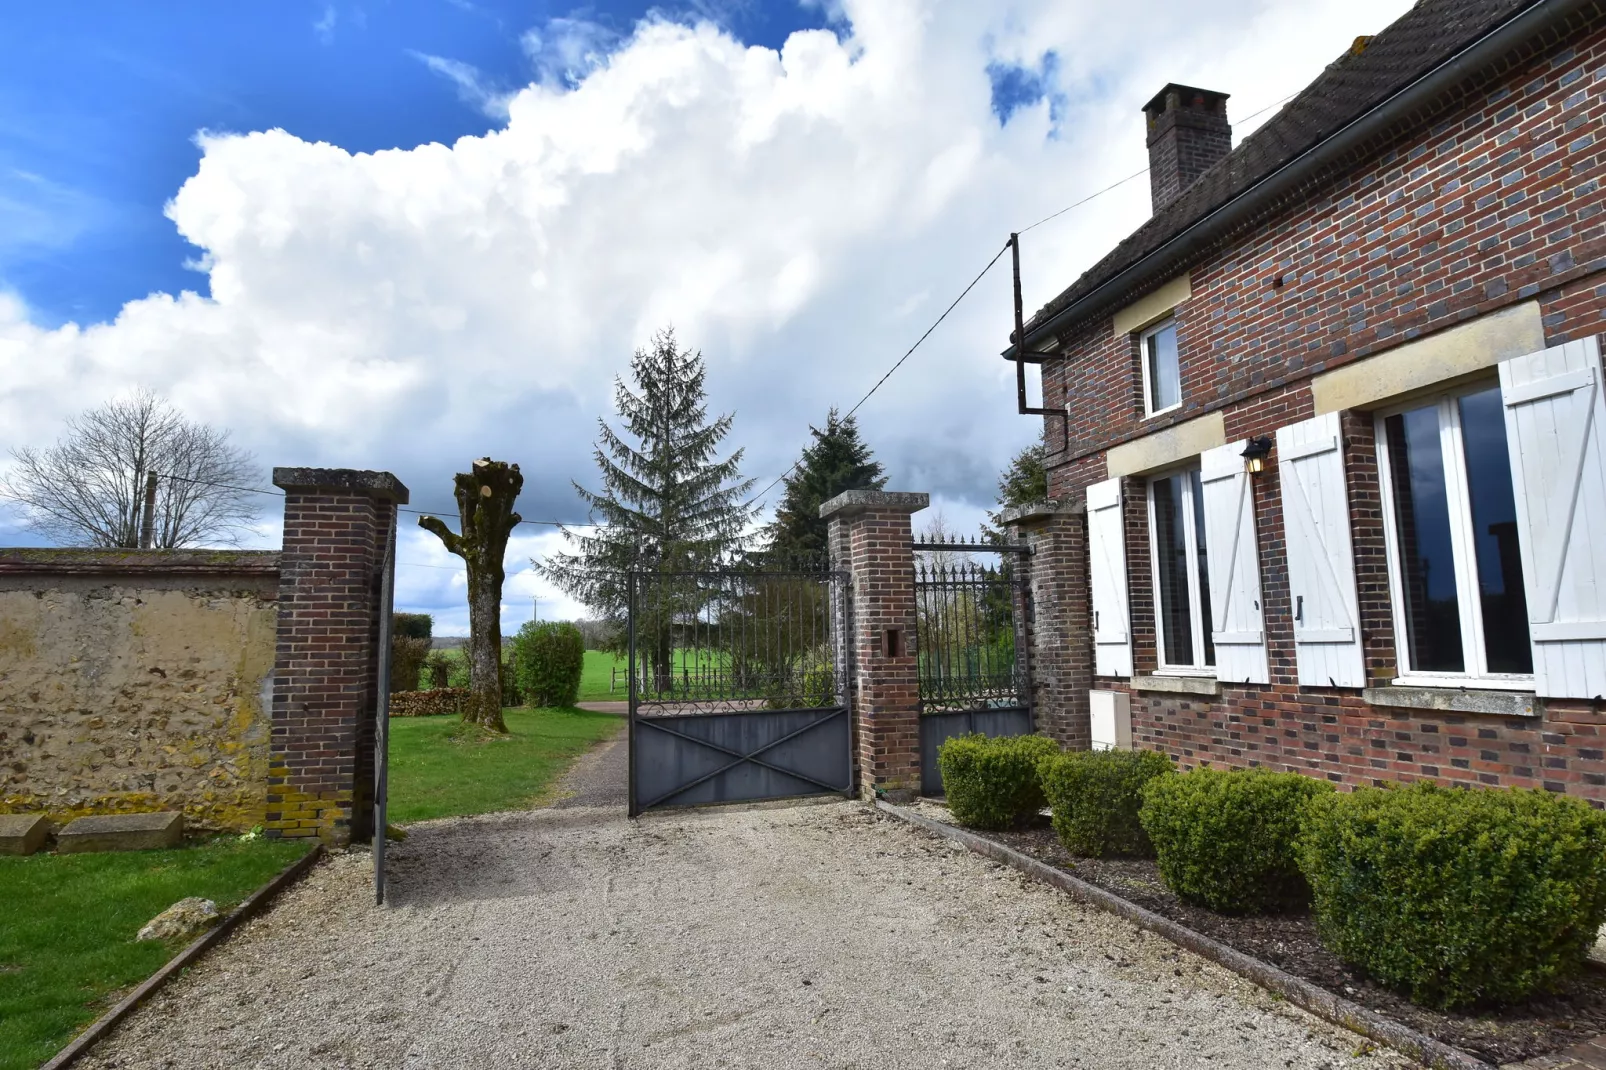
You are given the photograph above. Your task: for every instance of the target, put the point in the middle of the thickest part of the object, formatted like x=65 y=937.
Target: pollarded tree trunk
x=485 y=498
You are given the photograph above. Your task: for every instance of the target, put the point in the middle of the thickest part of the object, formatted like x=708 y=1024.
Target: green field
x=433 y=773
x=594 y=678
x=68 y=922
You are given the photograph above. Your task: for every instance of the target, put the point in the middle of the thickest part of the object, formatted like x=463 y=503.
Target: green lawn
x=67 y=927
x=595 y=676
x=432 y=774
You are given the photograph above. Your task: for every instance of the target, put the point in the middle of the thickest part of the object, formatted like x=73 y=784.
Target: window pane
x=1494 y=533
x=1427 y=564
x=1204 y=572
x=1165 y=386
x=1171 y=570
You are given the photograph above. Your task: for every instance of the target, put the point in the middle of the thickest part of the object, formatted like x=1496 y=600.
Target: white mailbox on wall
x=1112 y=719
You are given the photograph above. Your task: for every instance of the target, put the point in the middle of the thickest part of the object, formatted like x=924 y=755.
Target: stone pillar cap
x=854 y=502
x=1026 y=514
x=353 y=481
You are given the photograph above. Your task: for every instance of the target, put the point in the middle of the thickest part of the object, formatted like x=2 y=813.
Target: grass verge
x=436 y=771
x=68 y=922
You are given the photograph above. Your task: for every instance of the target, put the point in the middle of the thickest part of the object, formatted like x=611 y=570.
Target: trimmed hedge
x=412 y=625
x=548 y=657
x=407 y=654
x=1455 y=896
x=427 y=703
x=991 y=783
x=1229 y=840
x=1096 y=796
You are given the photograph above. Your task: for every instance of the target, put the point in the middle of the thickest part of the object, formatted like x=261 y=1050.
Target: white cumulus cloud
x=799 y=215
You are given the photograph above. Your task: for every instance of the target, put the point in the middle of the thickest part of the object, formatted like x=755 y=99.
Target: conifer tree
x=837 y=460
x=1023 y=482
x=667 y=502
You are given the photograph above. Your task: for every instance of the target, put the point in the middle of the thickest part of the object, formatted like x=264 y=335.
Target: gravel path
x=821 y=935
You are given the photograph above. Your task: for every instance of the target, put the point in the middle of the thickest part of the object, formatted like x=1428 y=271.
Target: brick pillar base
x=872 y=542
x=1059 y=641
x=337 y=526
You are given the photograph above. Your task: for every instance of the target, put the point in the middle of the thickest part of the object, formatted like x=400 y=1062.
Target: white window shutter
x=1106 y=551
x=1321 y=562
x=1232 y=558
x=1554 y=433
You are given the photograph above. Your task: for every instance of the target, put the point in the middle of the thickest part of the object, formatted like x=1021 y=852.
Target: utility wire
x=399 y=509
x=907 y=354
x=978 y=278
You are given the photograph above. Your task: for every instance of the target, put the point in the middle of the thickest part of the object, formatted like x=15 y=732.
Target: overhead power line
x=899 y=363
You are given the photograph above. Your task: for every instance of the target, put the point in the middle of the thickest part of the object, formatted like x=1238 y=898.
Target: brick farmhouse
x=1334 y=454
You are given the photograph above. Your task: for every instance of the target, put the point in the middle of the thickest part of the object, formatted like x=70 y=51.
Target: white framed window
x=1455 y=563
x=1183 y=629
x=1162 y=375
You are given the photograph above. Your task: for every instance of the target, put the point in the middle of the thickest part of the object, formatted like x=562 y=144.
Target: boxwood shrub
x=1229 y=840
x=1453 y=896
x=1096 y=795
x=991 y=783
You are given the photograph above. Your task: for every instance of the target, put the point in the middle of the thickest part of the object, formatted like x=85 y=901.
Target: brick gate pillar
x=338 y=524
x=872 y=542
x=1059 y=643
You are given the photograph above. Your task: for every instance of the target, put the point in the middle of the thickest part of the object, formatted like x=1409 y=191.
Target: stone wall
x=136 y=681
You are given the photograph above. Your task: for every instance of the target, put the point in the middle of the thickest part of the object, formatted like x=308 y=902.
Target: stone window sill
x=1181 y=685
x=1456 y=700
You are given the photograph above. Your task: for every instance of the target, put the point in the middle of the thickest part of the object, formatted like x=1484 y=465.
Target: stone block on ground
x=121 y=832
x=22 y=834
x=183 y=918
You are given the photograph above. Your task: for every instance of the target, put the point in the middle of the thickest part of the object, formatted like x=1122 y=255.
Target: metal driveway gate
x=970 y=624
x=737 y=685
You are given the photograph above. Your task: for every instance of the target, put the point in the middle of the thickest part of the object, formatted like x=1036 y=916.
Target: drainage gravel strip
x=821 y=935
x=1296 y=990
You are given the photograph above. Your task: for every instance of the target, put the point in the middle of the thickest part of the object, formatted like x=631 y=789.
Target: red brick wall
x=1061 y=663
x=1496 y=204
x=875 y=546
x=336 y=526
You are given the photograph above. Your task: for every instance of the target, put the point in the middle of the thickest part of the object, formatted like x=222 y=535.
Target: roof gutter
x=1486 y=50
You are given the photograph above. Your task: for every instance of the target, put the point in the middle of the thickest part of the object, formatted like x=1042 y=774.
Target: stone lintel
x=1036 y=512
x=1455 y=700
x=22 y=834
x=854 y=502
x=343 y=480
x=1180 y=685
x=121 y=832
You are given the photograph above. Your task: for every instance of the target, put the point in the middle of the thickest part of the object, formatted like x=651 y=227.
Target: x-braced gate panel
x=737 y=686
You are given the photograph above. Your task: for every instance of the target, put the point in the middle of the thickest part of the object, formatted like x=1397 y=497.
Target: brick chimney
x=1188 y=133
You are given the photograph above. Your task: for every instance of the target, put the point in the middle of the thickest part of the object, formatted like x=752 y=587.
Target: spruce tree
x=667 y=503
x=837 y=460
x=1023 y=482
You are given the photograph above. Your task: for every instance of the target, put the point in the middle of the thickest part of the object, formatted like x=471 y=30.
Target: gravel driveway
x=816 y=935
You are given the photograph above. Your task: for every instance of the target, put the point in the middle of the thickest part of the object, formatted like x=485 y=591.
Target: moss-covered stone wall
x=137 y=680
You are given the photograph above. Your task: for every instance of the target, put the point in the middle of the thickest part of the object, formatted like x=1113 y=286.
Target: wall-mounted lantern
x=1255 y=453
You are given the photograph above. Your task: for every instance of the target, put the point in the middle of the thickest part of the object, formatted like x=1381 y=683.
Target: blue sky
x=100 y=103
x=419 y=233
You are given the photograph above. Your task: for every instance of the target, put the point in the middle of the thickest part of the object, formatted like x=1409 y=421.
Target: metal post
x=382 y=714
x=147 y=520
x=630 y=739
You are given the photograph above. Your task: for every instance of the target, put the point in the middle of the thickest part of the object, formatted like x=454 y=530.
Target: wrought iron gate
x=970 y=624
x=737 y=685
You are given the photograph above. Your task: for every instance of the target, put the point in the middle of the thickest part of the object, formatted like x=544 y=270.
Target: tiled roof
x=1413 y=44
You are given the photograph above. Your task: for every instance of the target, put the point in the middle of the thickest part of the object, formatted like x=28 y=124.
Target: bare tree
x=89 y=488
x=485 y=497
